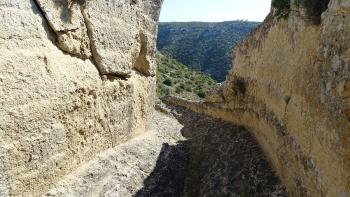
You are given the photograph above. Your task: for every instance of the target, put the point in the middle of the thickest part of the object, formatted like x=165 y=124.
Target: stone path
x=126 y=169
x=225 y=158
x=190 y=155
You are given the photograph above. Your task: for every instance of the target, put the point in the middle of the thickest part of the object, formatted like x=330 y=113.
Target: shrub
x=179 y=90
x=188 y=88
x=239 y=86
x=168 y=82
x=314 y=8
x=201 y=94
x=282 y=8
x=166 y=91
x=163 y=91
x=182 y=86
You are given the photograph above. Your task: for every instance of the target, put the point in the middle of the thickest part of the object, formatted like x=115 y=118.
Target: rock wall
x=290 y=85
x=76 y=78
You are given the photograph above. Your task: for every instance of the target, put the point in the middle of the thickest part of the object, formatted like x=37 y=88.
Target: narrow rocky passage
x=224 y=159
x=186 y=154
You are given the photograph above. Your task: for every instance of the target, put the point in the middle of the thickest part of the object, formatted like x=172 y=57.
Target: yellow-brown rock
x=289 y=86
x=68 y=86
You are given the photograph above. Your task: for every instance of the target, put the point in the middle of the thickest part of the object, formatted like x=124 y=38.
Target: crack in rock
x=68 y=24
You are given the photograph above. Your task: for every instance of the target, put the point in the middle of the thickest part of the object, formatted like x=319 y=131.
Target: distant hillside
x=203 y=46
x=176 y=79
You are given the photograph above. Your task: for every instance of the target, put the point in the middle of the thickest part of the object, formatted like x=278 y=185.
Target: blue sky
x=214 y=10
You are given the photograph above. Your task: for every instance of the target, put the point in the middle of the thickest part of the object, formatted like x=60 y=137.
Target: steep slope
x=291 y=86
x=206 y=47
x=176 y=79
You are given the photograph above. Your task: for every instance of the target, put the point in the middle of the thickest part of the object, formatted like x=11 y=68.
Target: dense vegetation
x=206 y=47
x=314 y=8
x=174 y=78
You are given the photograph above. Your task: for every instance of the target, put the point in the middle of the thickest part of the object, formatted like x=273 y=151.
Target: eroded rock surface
x=60 y=105
x=165 y=162
x=289 y=87
x=77 y=78
x=126 y=169
x=118 y=35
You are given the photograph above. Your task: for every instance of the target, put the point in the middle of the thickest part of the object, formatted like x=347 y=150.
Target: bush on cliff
x=282 y=8
x=314 y=8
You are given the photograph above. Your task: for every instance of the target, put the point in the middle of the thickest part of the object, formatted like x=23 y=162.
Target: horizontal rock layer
x=290 y=85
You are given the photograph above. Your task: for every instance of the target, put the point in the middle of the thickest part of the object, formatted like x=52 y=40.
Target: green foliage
x=188 y=88
x=174 y=78
x=163 y=91
x=179 y=90
x=166 y=91
x=206 y=47
x=182 y=86
x=314 y=8
x=283 y=8
x=201 y=94
x=168 y=82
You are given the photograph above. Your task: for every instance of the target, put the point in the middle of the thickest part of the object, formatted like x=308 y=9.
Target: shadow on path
x=218 y=159
x=168 y=177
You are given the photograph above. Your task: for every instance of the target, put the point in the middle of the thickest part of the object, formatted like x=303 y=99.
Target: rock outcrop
x=290 y=85
x=76 y=78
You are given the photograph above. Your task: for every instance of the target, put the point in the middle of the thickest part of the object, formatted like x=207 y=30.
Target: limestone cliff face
x=76 y=78
x=290 y=85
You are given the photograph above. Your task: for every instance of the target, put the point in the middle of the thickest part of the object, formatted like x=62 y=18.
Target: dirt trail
x=186 y=154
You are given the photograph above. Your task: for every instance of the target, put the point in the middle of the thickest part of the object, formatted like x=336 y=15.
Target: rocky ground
x=186 y=154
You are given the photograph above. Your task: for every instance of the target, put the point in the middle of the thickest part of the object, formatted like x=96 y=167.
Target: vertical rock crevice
x=74 y=39
x=66 y=21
